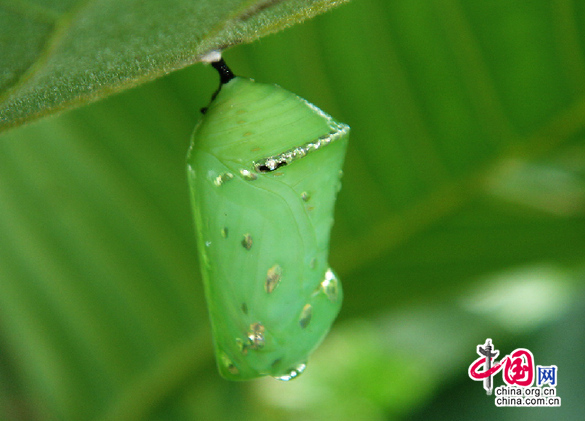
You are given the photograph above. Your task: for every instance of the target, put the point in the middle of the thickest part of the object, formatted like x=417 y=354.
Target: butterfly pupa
x=264 y=169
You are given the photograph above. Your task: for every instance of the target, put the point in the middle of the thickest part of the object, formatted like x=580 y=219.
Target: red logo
x=518 y=367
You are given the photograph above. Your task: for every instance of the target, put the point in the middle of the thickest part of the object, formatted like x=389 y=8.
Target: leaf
x=466 y=171
x=64 y=54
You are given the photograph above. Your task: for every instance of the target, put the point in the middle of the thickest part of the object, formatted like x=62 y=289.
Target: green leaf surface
x=461 y=217
x=61 y=54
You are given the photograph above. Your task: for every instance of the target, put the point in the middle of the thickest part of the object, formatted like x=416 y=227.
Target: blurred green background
x=462 y=217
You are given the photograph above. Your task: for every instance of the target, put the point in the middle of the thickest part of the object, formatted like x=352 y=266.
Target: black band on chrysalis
x=225 y=74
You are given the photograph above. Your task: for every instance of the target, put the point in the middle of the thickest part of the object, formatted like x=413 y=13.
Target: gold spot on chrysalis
x=222 y=178
x=329 y=285
x=247 y=241
x=256 y=336
x=306 y=315
x=273 y=277
x=248 y=175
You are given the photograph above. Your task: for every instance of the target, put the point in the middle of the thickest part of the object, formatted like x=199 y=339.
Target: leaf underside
x=59 y=55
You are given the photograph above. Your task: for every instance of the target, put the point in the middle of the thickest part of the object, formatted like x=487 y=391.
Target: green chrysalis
x=264 y=170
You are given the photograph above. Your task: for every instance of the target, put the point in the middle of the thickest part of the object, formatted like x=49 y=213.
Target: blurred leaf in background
x=462 y=217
